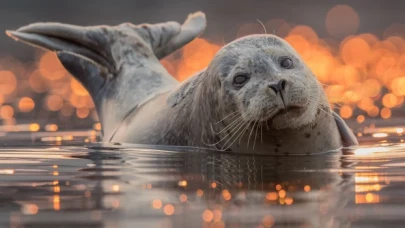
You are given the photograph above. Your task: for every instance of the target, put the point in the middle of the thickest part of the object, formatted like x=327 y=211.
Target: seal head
x=258 y=92
x=264 y=79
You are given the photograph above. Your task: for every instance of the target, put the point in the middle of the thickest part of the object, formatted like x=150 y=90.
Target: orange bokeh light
x=192 y=58
x=385 y=113
x=355 y=52
x=6 y=112
x=157 y=204
x=306 y=32
x=207 y=215
x=373 y=111
x=54 y=102
x=299 y=43
x=8 y=82
x=168 y=209
x=346 y=112
x=360 y=119
x=37 y=82
x=50 y=67
x=389 y=100
x=26 y=104
x=78 y=88
x=82 y=112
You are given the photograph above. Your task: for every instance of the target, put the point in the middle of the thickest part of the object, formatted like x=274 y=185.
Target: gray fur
x=139 y=102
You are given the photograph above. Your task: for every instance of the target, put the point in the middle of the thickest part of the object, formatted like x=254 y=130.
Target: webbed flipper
x=118 y=65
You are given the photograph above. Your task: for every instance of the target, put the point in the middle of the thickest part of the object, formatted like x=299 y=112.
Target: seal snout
x=279 y=88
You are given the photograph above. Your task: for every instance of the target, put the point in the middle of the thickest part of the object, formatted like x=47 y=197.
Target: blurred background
x=355 y=48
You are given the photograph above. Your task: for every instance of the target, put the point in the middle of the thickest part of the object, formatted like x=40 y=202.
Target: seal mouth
x=290 y=109
x=63 y=38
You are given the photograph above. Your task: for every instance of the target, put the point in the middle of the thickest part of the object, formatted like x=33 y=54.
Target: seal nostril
x=274 y=87
x=281 y=84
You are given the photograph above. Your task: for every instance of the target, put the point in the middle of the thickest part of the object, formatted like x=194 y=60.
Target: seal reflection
x=121 y=186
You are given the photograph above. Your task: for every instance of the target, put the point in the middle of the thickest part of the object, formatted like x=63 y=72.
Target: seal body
x=207 y=110
x=256 y=94
x=155 y=123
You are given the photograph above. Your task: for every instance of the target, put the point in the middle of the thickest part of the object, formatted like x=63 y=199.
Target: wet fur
x=197 y=106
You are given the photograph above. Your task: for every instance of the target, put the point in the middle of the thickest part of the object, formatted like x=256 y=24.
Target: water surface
x=59 y=180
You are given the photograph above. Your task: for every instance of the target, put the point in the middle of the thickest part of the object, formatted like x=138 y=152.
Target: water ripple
x=121 y=185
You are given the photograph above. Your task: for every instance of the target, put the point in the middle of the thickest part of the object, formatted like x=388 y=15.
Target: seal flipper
x=63 y=43
x=164 y=38
x=118 y=65
x=191 y=28
x=348 y=138
x=86 y=71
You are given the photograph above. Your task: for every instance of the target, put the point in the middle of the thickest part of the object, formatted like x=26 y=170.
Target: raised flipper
x=118 y=65
x=348 y=138
x=91 y=41
x=191 y=28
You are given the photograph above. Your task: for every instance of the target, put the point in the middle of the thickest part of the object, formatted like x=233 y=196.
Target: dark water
x=46 y=182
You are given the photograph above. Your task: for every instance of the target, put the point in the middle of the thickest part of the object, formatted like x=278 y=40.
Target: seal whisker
x=223 y=41
x=227 y=127
x=236 y=132
x=323 y=84
x=207 y=144
x=231 y=134
x=249 y=137
x=233 y=113
x=257 y=127
x=213 y=144
x=264 y=27
x=338 y=104
x=240 y=137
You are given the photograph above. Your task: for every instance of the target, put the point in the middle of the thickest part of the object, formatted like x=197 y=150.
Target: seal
x=256 y=94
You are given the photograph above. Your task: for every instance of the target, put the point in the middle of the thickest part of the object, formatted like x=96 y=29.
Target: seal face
x=264 y=79
x=256 y=94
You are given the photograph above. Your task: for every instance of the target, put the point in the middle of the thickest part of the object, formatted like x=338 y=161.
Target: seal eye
x=286 y=63
x=240 y=80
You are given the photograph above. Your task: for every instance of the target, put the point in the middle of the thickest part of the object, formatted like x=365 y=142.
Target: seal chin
x=293 y=110
x=282 y=118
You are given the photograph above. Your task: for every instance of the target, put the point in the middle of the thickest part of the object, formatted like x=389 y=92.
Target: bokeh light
x=26 y=104
x=341 y=21
x=8 y=82
x=6 y=112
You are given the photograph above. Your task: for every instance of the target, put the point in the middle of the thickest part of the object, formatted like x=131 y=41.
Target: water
x=48 y=182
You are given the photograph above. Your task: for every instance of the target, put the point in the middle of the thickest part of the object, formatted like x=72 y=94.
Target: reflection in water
x=120 y=186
